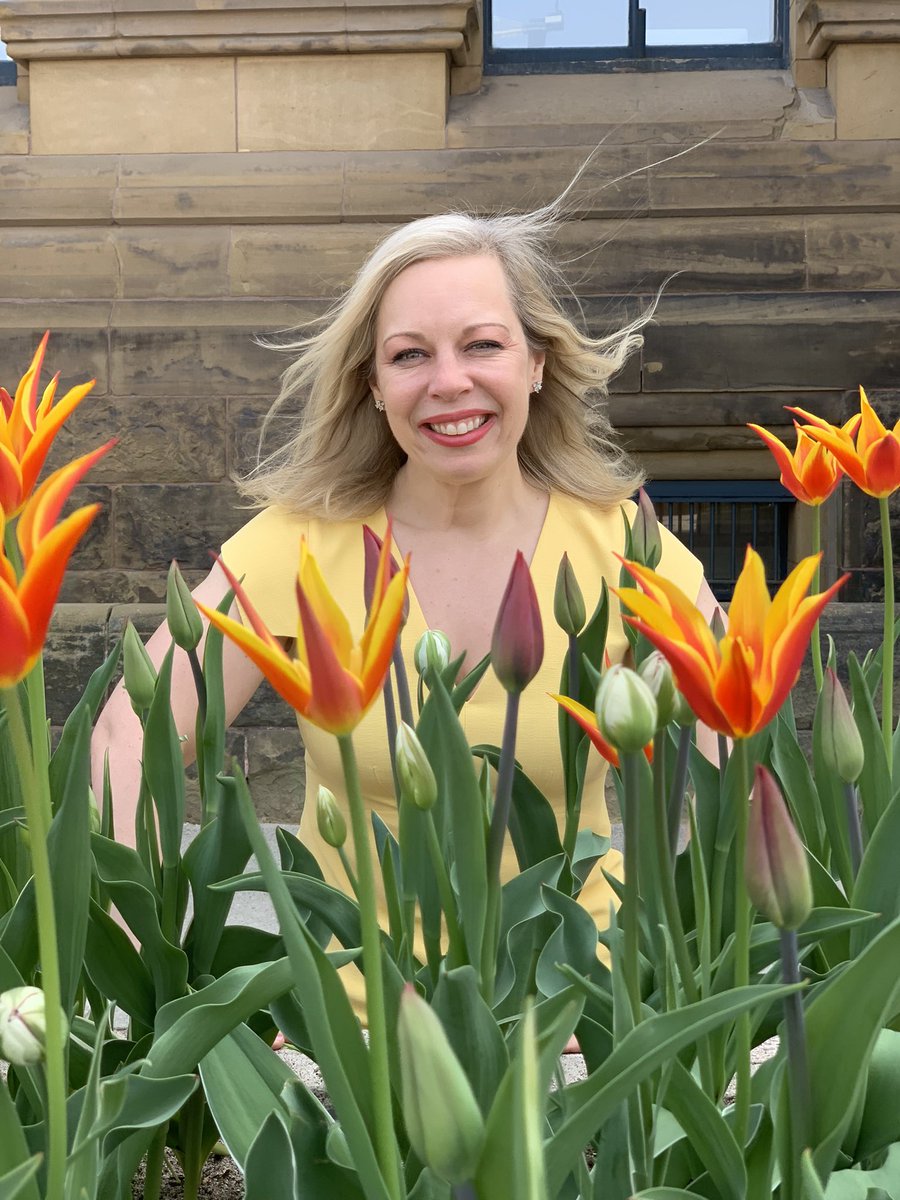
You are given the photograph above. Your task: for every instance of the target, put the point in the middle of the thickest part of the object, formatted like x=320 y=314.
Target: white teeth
x=455 y=428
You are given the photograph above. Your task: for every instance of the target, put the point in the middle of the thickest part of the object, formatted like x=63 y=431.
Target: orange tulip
x=332 y=682
x=26 y=605
x=27 y=429
x=874 y=462
x=588 y=722
x=737 y=684
x=810 y=473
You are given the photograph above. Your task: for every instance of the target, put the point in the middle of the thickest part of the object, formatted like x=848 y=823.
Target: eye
x=409 y=355
x=484 y=344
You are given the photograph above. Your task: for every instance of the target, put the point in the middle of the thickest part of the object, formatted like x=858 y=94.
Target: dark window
x=584 y=35
x=7 y=68
x=718 y=520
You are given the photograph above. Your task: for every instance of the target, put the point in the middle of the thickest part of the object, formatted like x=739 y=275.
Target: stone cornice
x=57 y=29
x=825 y=23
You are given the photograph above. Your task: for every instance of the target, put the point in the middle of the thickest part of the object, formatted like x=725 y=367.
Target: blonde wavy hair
x=341 y=461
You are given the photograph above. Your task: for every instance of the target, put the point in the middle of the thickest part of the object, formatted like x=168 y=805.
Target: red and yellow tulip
x=873 y=463
x=737 y=684
x=810 y=472
x=332 y=681
x=588 y=722
x=27 y=429
x=26 y=604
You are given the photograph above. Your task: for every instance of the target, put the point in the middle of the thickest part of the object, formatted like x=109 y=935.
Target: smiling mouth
x=457 y=428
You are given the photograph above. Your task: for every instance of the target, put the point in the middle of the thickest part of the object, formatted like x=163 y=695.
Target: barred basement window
x=718 y=519
x=525 y=36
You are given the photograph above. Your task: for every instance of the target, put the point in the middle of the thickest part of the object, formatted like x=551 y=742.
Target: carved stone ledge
x=67 y=29
x=823 y=24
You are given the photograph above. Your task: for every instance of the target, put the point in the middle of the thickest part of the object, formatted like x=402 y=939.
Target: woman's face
x=453 y=368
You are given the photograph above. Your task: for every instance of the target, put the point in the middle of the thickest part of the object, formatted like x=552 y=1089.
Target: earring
x=537 y=385
x=379 y=404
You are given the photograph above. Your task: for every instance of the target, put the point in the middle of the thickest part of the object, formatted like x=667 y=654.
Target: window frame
x=638 y=56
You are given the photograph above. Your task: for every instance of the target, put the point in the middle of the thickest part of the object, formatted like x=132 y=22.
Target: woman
x=449 y=391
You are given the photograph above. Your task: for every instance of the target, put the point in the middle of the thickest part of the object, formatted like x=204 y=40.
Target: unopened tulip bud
x=646 y=542
x=372 y=545
x=568 y=601
x=137 y=670
x=417 y=782
x=182 y=616
x=717 y=624
x=657 y=674
x=842 y=746
x=517 y=647
x=626 y=710
x=443 y=1120
x=23 y=1026
x=775 y=868
x=432 y=654
x=330 y=819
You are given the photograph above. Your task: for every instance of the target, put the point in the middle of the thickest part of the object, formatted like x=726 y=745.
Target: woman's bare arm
x=118 y=730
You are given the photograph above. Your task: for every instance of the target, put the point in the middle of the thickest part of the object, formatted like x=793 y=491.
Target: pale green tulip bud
x=417 y=782
x=842 y=746
x=646 y=541
x=626 y=710
x=657 y=674
x=443 y=1120
x=23 y=1026
x=775 y=866
x=331 y=822
x=182 y=616
x=683 y=713
x=432 y=653
x=568 y=601
x=138 y=671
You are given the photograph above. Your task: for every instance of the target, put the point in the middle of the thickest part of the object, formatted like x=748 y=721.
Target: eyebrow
x=415 y=334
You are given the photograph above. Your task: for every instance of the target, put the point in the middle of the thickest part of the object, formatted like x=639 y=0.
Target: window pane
x=709 y=22
x=546 y=24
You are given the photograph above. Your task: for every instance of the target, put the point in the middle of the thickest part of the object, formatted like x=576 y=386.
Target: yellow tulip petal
x=750 y=604
x=289 y=679
x=381 y=633
x=328 y=612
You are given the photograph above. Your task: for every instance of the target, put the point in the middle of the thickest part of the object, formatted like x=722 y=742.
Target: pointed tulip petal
x=695 y=678
x=882 y=466
x=785 y=461
x=45 y=569
x=15 y=637
x=750 y=604
x=35 y=453
x=329 y=614
x=588 y=722
x=381 y=634
x=289 y=679
x=336 y=703
x=10 y=481
x=42 y=511
x=734 y=691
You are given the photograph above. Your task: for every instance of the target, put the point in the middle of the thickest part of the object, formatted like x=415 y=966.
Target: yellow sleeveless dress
x=266 y=553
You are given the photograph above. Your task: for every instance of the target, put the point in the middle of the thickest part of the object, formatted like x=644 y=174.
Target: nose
x=450 y=377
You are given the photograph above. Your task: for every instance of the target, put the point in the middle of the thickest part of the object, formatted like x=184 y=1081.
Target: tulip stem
x=36 y=800
x=573 y=803
x=385 y=1139
x=348 y=870
x=666 y=880
x=457 y=955
x=887 y=653
x=817 y=550
x=496 y=838
x=798 y=1066
x=853 y=827
x=403 y=697
x=742 y=917
x=631 y=779
x=463 y=1191
x=679 y=782
x=390 y=720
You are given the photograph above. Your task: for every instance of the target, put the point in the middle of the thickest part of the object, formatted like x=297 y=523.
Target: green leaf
x=472 y=1032
x=12 y=816
x=16 y=1168
x=880 y=1123
x=69 y=851
x=14 y=1185
x=338 y=911
x=854 y=1184
x=708 y=1131
x=211 y=736
x=573 y=941
x=642 y=1051
x=243 y=1081
x=533 y=829
x=270 y=1169
x=877 y=886
x=116 y=968
x=875 y=782
x=868 y=988
x=799 y=789
x=88 y=705
x=164 y=765
x=219 y=851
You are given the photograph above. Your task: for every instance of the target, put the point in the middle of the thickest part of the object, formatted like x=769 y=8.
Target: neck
x=484 y=505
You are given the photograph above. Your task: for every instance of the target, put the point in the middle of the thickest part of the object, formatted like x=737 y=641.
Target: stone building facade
x=179 y=178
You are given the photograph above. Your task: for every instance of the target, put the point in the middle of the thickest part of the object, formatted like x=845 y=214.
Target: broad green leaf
x=12 y=816
x=533 y=831
x=311 y=1131
x=243 y=1081
x=868 y=988
x=15 y=1184
x=14 y=1152
x=642 y=1051
x=877 y=886
x=270 y=1168
x=164 y=765
x=472 y=1032
x=798 y=787
x=874 y=783
x=335 y=908
x=573 y=941
x=117 y=969
x=219 y=851
x=709 y=1133
x=879 y=1127
x=69 y=851
x=211 y=733
x=854 y=1184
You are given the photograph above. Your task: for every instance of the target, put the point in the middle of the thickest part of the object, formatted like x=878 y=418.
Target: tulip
x=874 y=462
x=333 y=681
x=811 y=472
x=330 y=819
x=27 y=430
x=842 y=746
x=588 y=722
x=443 y=1120
x=736 y=683
x=568 y=601
x=517 y=647
x=432 y=653
x=23 y=1026
x=26 y=604
x=626 y=710
x=776 y=869
x=138 y=672
x=646 y=542
x=375 y=578
x=417 y=782
x=657 y=674
x=182 y=617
